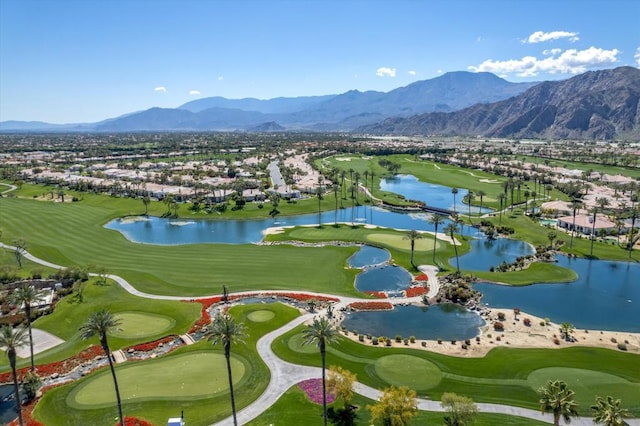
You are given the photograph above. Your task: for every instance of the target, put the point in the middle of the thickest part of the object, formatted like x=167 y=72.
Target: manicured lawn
x=137 y=325
x=72 y=234
x=177 y=377
x=536 y=273
x=507 y=376
x=295 y=408
x=69 y=315
x=160 y=392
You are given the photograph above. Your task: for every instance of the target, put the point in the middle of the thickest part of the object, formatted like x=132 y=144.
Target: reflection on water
x=606 y=296
x=444 y=321
x=486 y=253
x=383 y=278
x=431 y=194
x=369 y=256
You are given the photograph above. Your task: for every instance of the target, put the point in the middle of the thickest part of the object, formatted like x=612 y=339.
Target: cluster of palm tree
x=557 y=398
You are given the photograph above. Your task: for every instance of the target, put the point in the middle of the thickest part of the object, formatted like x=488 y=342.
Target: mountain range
x=594 y=105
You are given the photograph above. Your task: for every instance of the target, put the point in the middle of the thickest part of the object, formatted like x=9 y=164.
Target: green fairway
x=135 y=325
x=504 y=375
x=180 y=377
x=407 y=370
x=400 y=242
x=72 y=234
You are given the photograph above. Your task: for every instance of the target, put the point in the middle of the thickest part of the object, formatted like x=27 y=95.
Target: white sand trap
x=343 y=158
x=489 y=181
x=42 y=341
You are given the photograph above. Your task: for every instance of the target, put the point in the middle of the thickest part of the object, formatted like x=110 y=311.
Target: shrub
x=439 y=341
x=478 y=339
x=556 y=340
x=622 y=346
x=498 y=326
x=388 y=342
x=412 y=339
x=498 y=338
x=424 y=344
x=501 y=316
x=374 y=341
x=467 y=342
x=398 y=338
x=406 y=342
x=361 y=337
x=542 y=323
x=614 y=340
x=464 y=346
x=527 y=322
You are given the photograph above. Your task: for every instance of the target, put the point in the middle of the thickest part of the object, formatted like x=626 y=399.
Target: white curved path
x=284 y=374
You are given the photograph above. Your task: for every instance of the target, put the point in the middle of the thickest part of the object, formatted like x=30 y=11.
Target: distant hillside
x=594 y=105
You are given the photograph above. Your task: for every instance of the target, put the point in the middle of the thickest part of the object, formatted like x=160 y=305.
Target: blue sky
x=67 y=61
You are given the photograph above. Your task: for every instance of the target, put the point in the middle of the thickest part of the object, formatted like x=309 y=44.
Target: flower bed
x=133 y=421
x=313 y=389
x=421 y=277
x=416 y=290
x=378 y=294
x=149 y=346
x=371 y=306
x=58 y=367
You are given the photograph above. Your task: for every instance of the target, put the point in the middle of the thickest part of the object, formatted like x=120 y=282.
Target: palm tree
x=319 y=195
x=557 y=398
x=454 y=191
x=321 y=332
x=566 y=328
x=435 y=219
x=146 y=200
x=27 y=295
x=336 y=188
x=470 y=197
x=102 y=323
x=602 y=202
x=481 y=194
x=575 y=206
x=501 y=198
x=10 y=340
x=634 y=216
x=412 y=235
x=225 y=329
x=609 y=411
x=451 y=229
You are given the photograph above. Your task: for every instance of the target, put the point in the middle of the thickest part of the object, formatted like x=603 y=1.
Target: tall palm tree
x=336 y=188
x=501 y=198
x=102 y=323
x=225 y=329
x=412 y=235
x=321 y=332
x=451 y=229
x=575 y=206
x=481 y=195
x=435 y=220
x=609 y=411
x=27 y=295
x=470 y=197
x=10 y=340
x=454 y=191
x=319 y=195
x=557 y=398
x=634 y=216
x=602 y=202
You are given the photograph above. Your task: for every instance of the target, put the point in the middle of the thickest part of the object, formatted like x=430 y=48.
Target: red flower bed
x=417 y=290
x=146 y=347
x=133 y=421
x=421 y=277
x=378 y=294
x=27 y=413
x=371 y=306
x=60 y=367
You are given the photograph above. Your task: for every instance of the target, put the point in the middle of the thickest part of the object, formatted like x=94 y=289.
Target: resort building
x=584 y=223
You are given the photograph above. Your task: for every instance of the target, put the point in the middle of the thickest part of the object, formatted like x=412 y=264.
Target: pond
x=7 y=404
x=486 y=253
x=369 y=256
x=606 y=296
x=442 y=321
x=431 y=194
x=383 y=278
x=163 y=231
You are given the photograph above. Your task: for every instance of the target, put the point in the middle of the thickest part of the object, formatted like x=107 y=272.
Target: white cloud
x=220 y=78
x=412 y=72
x=439 y=71
x=637 y=56
x=194 y=92
x=551 y=51
x=386 y=72
x=160 y=89
x=570 y=61
x=539 y=36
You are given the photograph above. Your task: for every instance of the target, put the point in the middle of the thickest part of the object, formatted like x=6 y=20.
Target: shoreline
x=519 y=336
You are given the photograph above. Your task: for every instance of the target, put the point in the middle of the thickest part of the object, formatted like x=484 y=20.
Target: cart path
x=284 y=374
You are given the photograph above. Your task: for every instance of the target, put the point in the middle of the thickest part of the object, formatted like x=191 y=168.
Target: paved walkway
x=284 y=374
